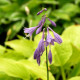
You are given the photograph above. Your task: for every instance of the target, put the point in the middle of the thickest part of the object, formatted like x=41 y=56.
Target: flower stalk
x=47 y=64
x=49 y=40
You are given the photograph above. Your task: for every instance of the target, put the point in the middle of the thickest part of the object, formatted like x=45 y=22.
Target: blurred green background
x=16 y=51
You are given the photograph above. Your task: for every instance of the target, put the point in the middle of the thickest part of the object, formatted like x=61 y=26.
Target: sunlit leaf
x=24 y=47
x=75 y=78
x=13 y=68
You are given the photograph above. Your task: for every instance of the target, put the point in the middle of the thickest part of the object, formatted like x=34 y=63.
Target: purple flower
x=38 y=60
x=53 y=23
x=30 y=30
x=40 y=49
x=50 y=56
x=49 y=39
x=41 y=11
x=39 y=29
x=45 y=9
x=43 y=19
x=41 y=23
x=56 y=36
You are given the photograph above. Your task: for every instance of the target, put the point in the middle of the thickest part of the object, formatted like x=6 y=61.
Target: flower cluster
x=44 y=43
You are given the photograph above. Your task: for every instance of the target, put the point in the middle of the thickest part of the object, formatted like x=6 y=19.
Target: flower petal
x=36 y=53
x=49 y=38
x=57 y=37
x=39 y=12
x=38 y=60
x=52 y=22
x=39 y=29
x=50 y=56
x=30 y=30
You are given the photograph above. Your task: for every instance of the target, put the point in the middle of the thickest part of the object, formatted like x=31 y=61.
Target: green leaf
x=75 y=78
x=23 y=69
x=37 y=71
x=63 y=2
x=72 y=34
x=61 y=53
x=72 y=10
x=11 y=54
x=24 y=47
x=3 y=76
x=75 y=57
x=59 y=14
x=13 y=68
x=77 y=20
x=75 y=71
x=4 y=2
x=2 y=49
x=15 y=28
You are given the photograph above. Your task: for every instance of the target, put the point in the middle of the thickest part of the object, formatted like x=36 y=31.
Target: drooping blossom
x=53 y=23
x=40 y=49
x=49 y=39
x=50 y=56
x=56 y=36
x=30 y=30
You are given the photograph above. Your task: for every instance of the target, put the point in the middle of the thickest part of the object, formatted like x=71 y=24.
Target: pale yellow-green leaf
x=13 y=68
x=25 y=47
x=72 y=34
x=75 y=78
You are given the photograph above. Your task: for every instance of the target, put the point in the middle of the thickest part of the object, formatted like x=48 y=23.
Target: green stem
x=63 y=73
x=47 y=64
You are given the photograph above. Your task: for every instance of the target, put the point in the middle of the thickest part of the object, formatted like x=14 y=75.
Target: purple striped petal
x=36 y=53
x=49 y=39
x=53 y=23
x=40 y=23
x=39 y=29
x=30 y=30
x=39 y=12
x=50 y=56
x=57 y=37
x=43 y=19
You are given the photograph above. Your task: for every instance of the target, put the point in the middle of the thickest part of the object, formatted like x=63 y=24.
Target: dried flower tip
x=9 y=32
x=49 y=68
x=27 y=10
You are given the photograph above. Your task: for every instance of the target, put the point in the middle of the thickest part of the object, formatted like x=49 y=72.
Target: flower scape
x=46 y=40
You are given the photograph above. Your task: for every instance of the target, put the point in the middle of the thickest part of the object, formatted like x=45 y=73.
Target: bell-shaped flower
x=30 y=30
x=56 y=36
x=49 y=39
x=53 y=23
x=40 y=49
x=50 y=56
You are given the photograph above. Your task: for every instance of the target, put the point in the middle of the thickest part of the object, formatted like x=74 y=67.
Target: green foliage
x=16 y=55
